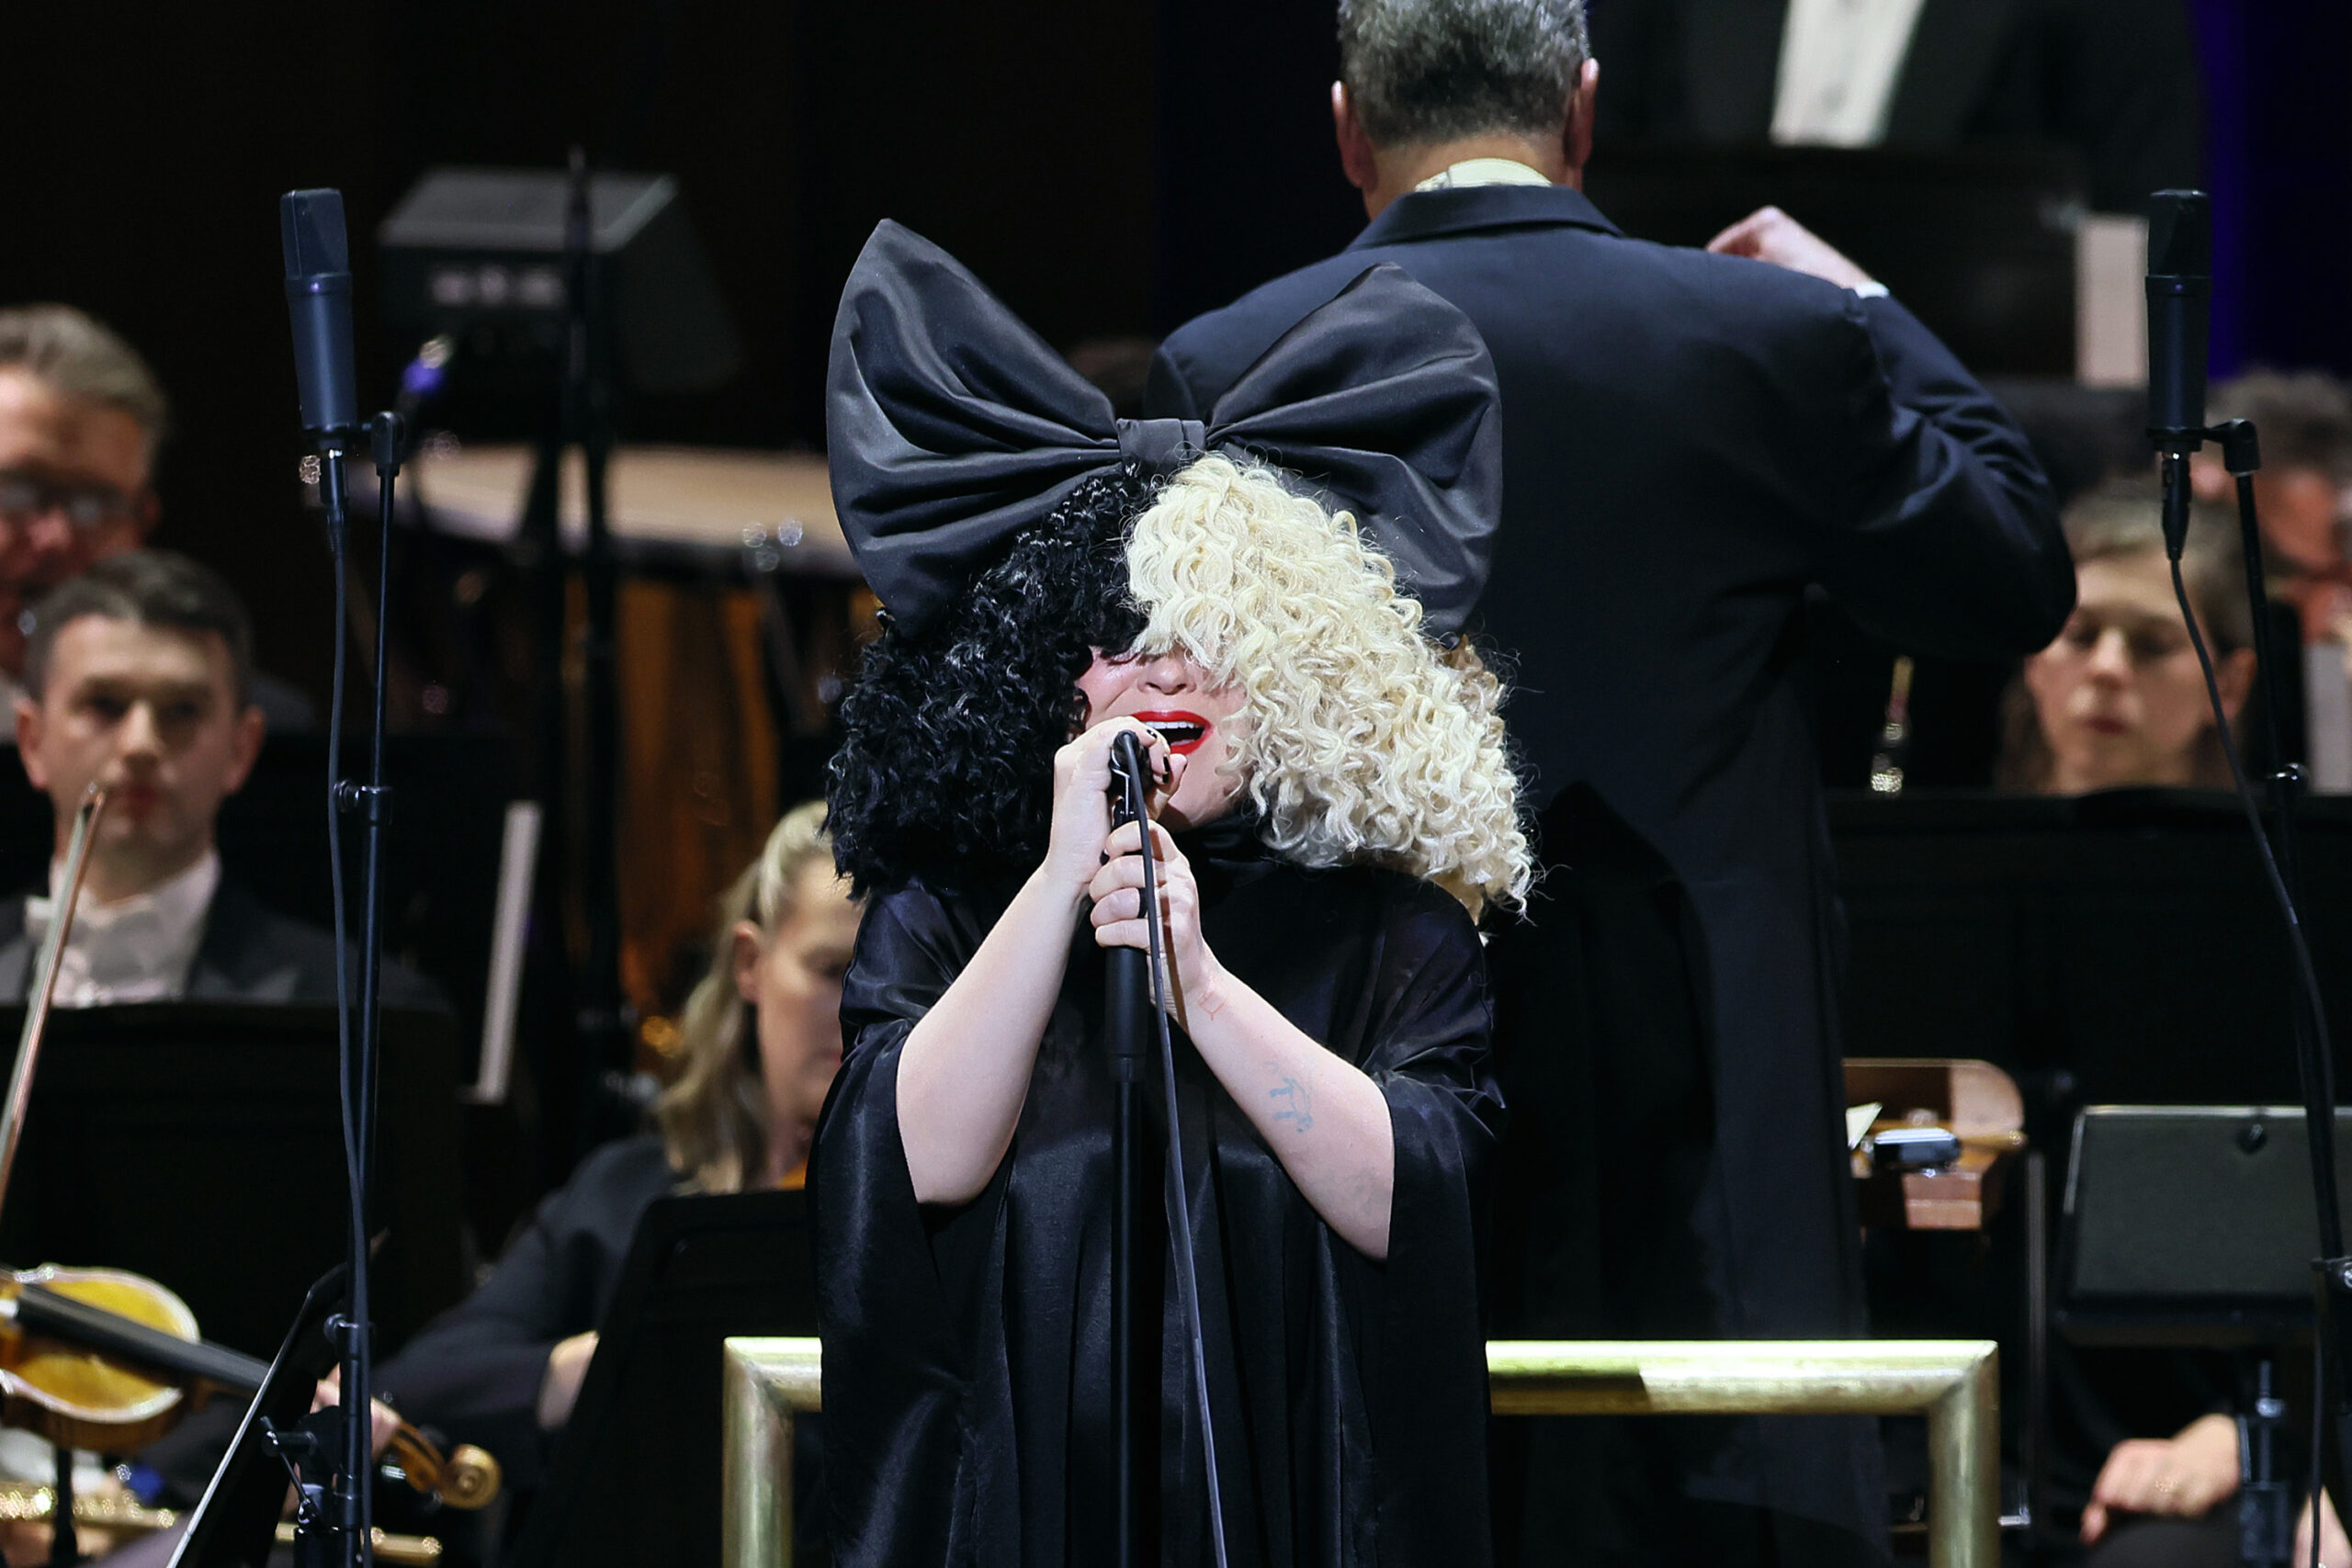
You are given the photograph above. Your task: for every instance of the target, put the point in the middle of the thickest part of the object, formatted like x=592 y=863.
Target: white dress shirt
x=1839 y=62
x=138 y=949
x=1484 y=172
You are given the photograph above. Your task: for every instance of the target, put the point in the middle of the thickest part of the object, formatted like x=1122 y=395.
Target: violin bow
x=52 y=949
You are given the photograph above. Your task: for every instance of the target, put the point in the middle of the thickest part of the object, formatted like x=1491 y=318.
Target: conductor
x=1690 y=442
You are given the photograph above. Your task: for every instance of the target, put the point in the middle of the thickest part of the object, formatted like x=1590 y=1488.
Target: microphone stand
x=1136 y=981
x=2265 y=1530
x=344 y=1534
x=1127 y=1006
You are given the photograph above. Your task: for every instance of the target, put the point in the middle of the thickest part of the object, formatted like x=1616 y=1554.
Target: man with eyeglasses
x=81 y=417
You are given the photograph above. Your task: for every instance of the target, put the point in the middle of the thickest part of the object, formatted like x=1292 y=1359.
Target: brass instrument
x=119 y=1513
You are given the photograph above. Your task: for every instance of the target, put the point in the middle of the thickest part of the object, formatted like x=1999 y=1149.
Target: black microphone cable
x=2323 y=1149
x=1127 y=750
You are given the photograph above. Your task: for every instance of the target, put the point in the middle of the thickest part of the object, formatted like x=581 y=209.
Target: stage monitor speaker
x=478 y=254
x=2189 y=1225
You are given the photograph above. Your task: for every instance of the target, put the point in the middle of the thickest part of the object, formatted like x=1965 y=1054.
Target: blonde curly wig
x=1359 y=742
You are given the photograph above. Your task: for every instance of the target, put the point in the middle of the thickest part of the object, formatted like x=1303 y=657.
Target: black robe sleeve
x=1429 y=1427
x=883 y=1307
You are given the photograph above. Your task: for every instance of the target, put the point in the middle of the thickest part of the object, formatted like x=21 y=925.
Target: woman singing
x=1333 y=806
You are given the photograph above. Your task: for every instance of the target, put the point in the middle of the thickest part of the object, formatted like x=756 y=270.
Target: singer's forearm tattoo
x=1298 y=1107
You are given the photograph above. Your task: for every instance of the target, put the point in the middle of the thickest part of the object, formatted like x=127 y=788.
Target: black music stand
x=2190 y=1226
x=634 y=1477
x=200 y=1144
x=234 y=1525
x=441 y=850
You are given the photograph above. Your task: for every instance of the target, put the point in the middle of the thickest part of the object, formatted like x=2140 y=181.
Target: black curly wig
x=946 y=770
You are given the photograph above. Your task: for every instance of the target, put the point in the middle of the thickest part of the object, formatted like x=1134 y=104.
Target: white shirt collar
x=1484 y=172
x=138 y=948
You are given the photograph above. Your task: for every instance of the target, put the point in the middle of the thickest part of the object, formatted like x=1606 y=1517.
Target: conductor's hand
x=382 y=1420
x=1082 y=798
x=2183 y=1475
x=1768 y=234
x=1117 y=892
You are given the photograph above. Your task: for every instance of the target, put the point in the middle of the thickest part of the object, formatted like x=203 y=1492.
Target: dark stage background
x=1109 y=165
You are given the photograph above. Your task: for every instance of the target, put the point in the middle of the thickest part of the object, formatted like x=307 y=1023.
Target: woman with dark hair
x=1332 y=804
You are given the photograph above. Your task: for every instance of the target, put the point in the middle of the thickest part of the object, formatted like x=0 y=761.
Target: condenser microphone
x=318 y=298
x=2180 y=289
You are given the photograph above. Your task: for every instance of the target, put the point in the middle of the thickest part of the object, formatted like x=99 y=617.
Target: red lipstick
x=1183 y=729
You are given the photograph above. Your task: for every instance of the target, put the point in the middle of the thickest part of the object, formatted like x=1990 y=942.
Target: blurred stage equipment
x=479 y=255
x=737 y=602
x=562 y=291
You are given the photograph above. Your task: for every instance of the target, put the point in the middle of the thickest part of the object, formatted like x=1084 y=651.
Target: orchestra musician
x=2118 y=699
x=762 y=1041
x=1333 y=803
x=81 y=418
x=139 y=676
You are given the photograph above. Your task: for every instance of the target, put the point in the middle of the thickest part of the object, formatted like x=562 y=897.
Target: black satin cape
x=967 y=1395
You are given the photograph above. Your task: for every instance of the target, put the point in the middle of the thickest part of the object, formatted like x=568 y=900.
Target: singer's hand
x=1768 y=234
x=2335 y=1548
x=1117 y=892
x=1074 y=850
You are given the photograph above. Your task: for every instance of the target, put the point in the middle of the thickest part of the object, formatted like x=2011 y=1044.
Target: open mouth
x=1182 y=731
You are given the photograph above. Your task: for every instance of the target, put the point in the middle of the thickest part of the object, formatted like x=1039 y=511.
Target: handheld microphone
x=318 y=298
x=1127 y=1017
x=2180 y=287
x=1127 y=769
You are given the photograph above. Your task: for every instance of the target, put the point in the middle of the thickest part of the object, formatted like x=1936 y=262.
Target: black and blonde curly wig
x=1357 y=741
x=948 y=768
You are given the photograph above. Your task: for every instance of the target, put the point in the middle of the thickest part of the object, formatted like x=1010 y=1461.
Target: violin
x=103 y=1359
x=108 y=1360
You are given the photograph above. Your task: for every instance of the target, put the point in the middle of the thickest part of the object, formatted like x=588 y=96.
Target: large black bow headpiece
x=951 y=427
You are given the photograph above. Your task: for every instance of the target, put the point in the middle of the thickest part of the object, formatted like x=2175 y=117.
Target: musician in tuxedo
x=2113 y=80
x=1689 y=441
x=138 y=675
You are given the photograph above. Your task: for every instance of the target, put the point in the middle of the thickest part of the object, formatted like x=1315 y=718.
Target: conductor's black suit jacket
x=1689 y=442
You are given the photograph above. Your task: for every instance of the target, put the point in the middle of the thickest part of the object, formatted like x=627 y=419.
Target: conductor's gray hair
x=1423 y=71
